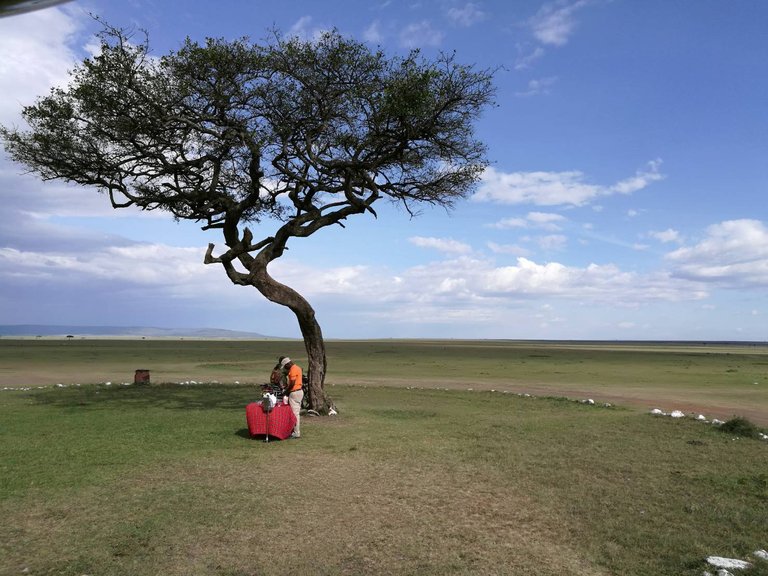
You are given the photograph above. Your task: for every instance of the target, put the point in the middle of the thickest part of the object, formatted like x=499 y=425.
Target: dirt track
x=629 y=400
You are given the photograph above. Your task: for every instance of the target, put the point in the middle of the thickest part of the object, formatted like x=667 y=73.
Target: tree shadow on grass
x=171 y=397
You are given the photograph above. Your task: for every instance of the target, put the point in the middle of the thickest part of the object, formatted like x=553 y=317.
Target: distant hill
x=124 y=331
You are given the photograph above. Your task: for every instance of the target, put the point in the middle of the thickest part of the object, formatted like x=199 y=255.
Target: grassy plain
x=720 y=380
x=417 y=475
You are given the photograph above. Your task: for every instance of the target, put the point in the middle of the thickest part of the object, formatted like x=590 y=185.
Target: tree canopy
x=233 y=134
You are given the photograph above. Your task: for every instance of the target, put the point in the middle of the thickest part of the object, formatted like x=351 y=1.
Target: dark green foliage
x=218 y=132
x=740 y=426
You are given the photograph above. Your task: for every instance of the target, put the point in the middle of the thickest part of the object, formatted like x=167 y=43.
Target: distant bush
x=740 y=427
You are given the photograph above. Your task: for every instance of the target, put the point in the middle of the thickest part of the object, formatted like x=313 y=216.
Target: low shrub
x=740 y=426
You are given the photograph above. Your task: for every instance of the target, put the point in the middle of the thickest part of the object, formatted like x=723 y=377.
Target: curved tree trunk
x=317 y=362
x=310 y=331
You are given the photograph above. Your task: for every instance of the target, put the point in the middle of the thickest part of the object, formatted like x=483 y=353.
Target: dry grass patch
x=349 y=514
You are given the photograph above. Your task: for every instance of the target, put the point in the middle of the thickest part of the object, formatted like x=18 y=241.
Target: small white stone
x=761 y=554
x=720 y=562
x=701 y=417
x=677 y=414
x=657 y=411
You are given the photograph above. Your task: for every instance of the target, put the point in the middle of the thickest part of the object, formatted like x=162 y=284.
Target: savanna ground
x=416 y=475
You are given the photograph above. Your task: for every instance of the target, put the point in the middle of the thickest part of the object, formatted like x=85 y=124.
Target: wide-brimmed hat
x=284 y=361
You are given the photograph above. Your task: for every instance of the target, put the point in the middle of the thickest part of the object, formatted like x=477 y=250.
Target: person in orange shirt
x=294 y=391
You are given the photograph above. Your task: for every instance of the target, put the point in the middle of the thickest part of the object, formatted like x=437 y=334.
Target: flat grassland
x=416 y=475
x=717 y=379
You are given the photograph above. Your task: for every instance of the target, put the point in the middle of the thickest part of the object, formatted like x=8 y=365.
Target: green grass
x=164 y=480
x=719 y=379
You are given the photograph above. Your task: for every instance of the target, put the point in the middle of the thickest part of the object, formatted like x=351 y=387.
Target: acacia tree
x=234 y=135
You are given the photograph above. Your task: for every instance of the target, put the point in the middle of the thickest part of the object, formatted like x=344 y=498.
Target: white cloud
x=505 y=223
x=597 y=283
x=512 y=249
x=539 y=188
x=466 y=15
x=420 y=34
x=552 y=242
x=479 y=283
x=305 y=30
x=373 y=33
x=527 y=56
x=666 y=236
x=555 y=22
x=556 y=188
x=455 y=290
x=36 y=51
x=640 y=180
x=537 y=86
x=137 y=264
x=545 y=220
x=542 y=220
x=441 y=244
x=733 y=254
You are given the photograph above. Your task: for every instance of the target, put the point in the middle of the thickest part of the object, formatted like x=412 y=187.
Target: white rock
x=677 y=414
x=332 y=412
x=720 y=562
x=701 y=417
x=590 y=401
x=761 y=554
x=657 y=412
x=716 y=422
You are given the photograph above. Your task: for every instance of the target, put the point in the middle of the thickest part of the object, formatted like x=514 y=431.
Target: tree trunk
x=314 y=344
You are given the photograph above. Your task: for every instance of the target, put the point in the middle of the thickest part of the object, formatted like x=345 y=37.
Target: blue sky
x=627 y=196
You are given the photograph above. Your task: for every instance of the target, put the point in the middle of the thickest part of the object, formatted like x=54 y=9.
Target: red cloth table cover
x=280 y=420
